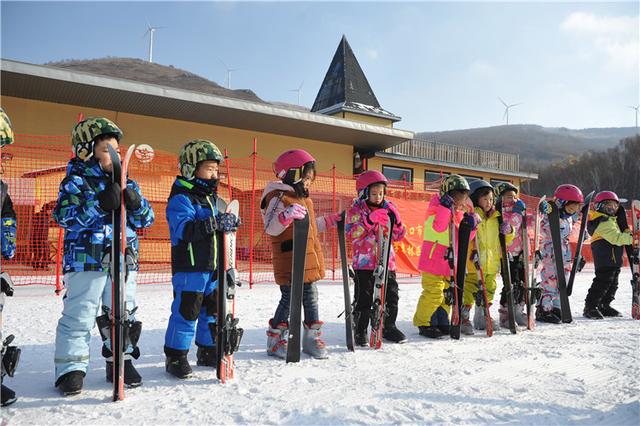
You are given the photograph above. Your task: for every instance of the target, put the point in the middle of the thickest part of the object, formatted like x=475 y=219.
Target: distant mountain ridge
x=149 y=72
x=535 y=144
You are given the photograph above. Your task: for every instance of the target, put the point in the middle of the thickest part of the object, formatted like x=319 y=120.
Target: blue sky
x=438 y=65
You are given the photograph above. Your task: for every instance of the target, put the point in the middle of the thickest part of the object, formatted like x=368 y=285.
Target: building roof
x=50 y=84
x=345 y=88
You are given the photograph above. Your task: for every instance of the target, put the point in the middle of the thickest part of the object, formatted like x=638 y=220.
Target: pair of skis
x=633 y=253
x=118 y=271
x=457 y=259
x=226 y=331
x=565 y=286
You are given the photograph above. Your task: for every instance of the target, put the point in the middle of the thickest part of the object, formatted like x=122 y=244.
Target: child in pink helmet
x=569 y=200
x=282 y=202
x=368 y=212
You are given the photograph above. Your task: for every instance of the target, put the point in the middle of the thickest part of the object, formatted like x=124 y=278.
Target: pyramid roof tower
x=345 y=88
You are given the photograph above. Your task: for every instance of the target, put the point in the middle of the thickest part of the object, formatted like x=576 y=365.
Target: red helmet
x=567 y=192
x=293 y=160
x=369 y=178
x=605 y=196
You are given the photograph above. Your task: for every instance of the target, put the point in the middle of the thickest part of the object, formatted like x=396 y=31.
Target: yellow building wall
x=364 y=118
x=419 y=169
x=47 y=118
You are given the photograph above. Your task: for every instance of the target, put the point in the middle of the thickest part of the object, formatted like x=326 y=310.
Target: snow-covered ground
x=587 y=372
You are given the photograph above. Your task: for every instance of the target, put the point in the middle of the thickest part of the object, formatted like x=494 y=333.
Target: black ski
x=118 y=273
x=506 y=277
x=348 y=317
x=300 y=235
x=380 y=275
x=227 y=332
x=554 y=227
x=462 y=252
x=578 y=260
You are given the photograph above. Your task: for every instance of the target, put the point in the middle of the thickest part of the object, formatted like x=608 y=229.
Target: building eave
x=44 y=83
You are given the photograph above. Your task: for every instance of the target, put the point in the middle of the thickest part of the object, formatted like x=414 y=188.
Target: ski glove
x=519 y=207
x=379 y=216
x=471 y=219
x=288 y=215
x=446 y=201
x=132 y=199
x=109 y=198
x=227 y=222
x=505 y=228
x=545 y=207
x=394 y=210
x=331 y=219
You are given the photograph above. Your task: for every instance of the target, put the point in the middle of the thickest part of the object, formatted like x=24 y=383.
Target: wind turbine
x=636 y=108
x=229 y=71
x=151 y=30
x=298 y=90
x=506 y=109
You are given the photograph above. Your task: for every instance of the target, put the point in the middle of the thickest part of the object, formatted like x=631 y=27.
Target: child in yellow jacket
x=432 y=313
x=488 y=238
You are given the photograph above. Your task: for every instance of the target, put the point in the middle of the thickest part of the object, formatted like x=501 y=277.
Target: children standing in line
x=86 y=199
x=488 y=238
x=8 y=237
x=282 y=202
x=512 y=209
x=366 y=215
x=568 y=199
x=607 y=246
x=432 y=312
x=193 y=221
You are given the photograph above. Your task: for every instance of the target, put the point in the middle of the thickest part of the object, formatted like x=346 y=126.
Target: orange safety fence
x=34 y=166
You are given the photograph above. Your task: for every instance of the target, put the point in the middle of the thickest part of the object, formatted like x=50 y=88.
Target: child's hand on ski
x=505 y=228
x=132 y=199
x=379 y=216
x=331 y=219
x=394 y=210
x=288 y=215
x=227 y=222
x=109 y=198
x=519 y=207
x=545 y=207
x=471 y=219
x=446 y=201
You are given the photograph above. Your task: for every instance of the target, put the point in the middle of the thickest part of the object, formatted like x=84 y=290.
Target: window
x=398 y=174
x=433 y=176
x=471 y=178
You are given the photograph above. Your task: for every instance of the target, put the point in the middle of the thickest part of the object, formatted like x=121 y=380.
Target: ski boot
x=277 y=339
x=431 y=331
x=608 y=311
x=393 y=334
x=8 y=396
x=521 y=316
x=465 y=323
x=361 y=338
x=312 y=344
x=71 y=382
x=548 y=316
x=206 y=356
x=504 y=316
x=592 y=312
x=131 y=376
x=177 y=363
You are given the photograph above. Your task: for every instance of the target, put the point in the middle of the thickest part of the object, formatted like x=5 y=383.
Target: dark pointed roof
x=345 y=88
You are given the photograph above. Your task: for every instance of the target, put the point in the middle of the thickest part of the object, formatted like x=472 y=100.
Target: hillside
x=534 y=143
x=147 y=72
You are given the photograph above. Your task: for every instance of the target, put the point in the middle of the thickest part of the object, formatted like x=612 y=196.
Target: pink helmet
x=295 y=160
x=605 y=196
x=369 y=178
x=567 y=192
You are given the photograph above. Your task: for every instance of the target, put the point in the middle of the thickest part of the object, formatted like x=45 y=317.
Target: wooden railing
x=457 y=154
